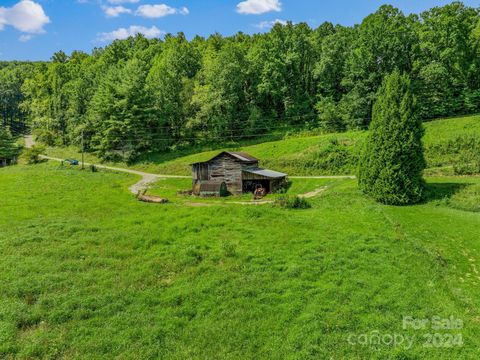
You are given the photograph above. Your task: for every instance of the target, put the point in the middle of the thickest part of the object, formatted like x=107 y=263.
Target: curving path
x=149 y=178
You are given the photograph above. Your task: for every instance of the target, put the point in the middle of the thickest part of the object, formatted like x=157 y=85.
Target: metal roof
x=265 y=172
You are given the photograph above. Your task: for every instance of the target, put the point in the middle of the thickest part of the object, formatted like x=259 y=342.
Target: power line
x=144 y=134
x=264 y=127
x=224 y=136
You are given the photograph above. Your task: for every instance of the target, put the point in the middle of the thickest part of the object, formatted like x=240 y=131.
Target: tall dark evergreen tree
x=121 y=113
x=8 y=148
x=392 y=162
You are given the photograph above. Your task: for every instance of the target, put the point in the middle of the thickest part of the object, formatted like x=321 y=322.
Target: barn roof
x=265 y=172
x=242 y=156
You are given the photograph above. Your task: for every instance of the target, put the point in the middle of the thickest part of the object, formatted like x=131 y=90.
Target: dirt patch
x=143 y=184
x=261 y=202
x=313 y=193
x=195 y=204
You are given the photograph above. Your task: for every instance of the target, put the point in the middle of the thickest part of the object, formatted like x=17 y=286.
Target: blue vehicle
x=71 y=161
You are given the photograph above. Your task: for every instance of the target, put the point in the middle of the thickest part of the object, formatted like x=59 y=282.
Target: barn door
x=203 y=172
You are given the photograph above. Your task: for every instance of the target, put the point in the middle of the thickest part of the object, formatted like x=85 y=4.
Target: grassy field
x=331 y=154
x=88 y=272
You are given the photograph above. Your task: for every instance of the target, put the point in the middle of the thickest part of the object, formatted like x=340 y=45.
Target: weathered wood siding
x=223 y=168
x=228 y=169
x=199 y=173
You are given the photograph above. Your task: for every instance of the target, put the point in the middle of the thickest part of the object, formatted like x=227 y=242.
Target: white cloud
x=270 y=24
x=159 y=10
x=26 y=16
x=25 y=38
x=258 y=6
x=123 y=33
x=118 y=2
x=3 y=20
x=155 y=11
x=115 y=11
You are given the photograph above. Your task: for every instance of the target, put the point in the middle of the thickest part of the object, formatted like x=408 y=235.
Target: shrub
x=465 y=169
x=32 y=155
x=47 y=137
x=292 y=202
x=392 y=162
x=468 y=162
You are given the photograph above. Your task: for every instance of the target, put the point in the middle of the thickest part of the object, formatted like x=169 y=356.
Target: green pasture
x=88 y=272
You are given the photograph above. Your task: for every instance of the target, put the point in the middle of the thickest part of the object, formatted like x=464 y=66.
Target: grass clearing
x=89 y=272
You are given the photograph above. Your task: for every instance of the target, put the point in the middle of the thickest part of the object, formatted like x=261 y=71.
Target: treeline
x=139 y=95
x=12 y=77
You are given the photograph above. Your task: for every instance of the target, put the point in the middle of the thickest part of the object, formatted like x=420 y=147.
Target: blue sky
x=35 y=29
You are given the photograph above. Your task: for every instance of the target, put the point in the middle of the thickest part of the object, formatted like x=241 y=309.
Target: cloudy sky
x=34 y=29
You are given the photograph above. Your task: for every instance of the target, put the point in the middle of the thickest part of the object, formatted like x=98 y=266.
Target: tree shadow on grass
x=285 y=188
x=440 y=191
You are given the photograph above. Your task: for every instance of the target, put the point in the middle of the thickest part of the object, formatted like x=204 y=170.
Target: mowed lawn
x=88 y=272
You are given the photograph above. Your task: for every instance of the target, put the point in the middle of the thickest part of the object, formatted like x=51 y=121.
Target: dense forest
x=140 y=95
x=12 y=77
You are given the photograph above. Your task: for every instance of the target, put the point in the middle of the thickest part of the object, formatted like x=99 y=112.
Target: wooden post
x=83 y=151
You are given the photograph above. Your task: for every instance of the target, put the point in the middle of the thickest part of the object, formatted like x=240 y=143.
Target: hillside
x=331 y=154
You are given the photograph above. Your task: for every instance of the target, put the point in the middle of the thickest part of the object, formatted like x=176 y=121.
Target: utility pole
x=83 y=151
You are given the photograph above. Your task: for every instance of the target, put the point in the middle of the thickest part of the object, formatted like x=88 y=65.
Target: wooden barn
x=233 y=173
